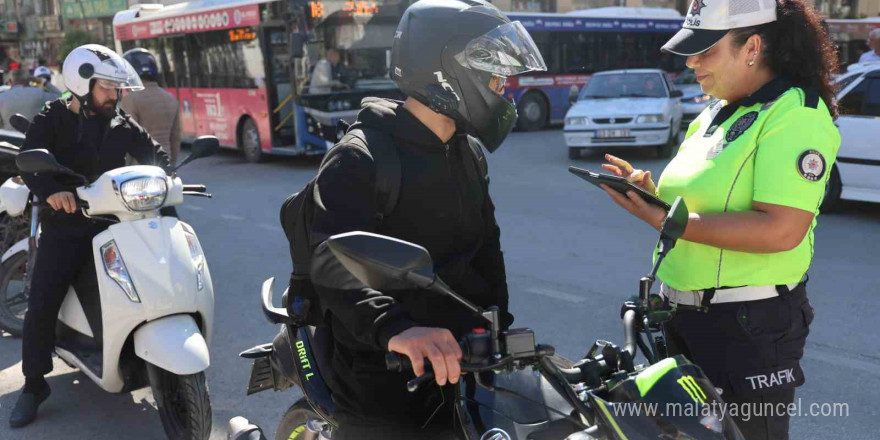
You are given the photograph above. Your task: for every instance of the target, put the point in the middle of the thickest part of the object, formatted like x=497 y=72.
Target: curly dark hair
x=796 y=46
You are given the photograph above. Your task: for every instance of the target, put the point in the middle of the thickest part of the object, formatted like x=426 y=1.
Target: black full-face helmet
x=454 y=56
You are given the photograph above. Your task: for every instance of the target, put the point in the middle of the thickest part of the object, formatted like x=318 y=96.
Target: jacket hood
x=389 y=116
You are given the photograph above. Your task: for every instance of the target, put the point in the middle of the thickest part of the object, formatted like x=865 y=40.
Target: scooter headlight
x=144 y=193
x=198 y=258
x=115 y=268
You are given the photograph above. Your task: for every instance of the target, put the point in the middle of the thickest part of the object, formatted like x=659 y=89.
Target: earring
x=752 y=62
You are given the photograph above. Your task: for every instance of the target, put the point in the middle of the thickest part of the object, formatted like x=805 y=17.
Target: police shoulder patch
x=811 y=165
x=740 y=126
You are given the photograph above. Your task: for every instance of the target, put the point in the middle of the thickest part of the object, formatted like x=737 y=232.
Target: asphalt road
x=572 y=257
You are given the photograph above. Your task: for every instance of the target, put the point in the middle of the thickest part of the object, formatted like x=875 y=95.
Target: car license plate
x=612 y=134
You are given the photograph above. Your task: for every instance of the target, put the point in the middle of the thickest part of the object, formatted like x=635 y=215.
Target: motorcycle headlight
x=198 y=258
x=577 y=121
x=650 y=119
x=115 y=268
x=144 y=194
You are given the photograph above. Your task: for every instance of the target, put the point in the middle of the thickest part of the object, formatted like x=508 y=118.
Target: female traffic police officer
x=752 y=170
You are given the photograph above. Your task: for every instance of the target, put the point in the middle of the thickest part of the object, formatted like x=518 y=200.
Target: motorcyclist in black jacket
x=88 y=134
x=451 y=59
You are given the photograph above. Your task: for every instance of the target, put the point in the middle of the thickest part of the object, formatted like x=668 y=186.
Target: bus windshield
x=351 y=45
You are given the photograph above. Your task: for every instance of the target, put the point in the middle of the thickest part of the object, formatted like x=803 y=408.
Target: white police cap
x=708 y=21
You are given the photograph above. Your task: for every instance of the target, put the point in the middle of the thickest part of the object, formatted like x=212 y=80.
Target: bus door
x=279 y=89
x=180 y=53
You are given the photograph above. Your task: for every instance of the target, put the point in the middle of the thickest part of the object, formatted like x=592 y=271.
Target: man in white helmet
x=88 y=134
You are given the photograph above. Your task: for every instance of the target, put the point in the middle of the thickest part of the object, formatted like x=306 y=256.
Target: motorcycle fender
x=21 y=246
x=174 y=344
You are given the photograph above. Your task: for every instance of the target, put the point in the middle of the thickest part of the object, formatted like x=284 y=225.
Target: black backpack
x=302 y=301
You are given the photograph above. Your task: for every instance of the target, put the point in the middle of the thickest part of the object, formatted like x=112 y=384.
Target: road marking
x=231 y=217
x=272 y=228
x=556 y=294
x=193 y=207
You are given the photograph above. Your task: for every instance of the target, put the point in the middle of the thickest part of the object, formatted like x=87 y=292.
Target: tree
x=72 y=40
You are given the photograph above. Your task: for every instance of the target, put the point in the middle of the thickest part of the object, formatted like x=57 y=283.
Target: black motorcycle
x=515 y=388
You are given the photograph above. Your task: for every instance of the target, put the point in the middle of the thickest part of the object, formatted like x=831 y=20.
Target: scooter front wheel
x=184 y=403
x=13 y=293
x=300 y=422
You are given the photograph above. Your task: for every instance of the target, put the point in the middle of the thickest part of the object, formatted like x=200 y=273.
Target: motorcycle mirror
x=204 y=146
x=42 y=161
x=379 y=261
x=19 y=123
x=676 y=220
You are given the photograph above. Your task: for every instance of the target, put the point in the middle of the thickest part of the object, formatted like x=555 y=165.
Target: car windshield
x=624 y=85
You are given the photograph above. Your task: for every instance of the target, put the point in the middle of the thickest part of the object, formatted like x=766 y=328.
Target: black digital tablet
x=618 y=184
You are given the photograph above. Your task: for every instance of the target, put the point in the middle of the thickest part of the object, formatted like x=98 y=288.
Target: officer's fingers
x=53 y=202
x=624 y=166
x=452 y=345
x=438 y=363
x=619 y=199
x=613 y=169
x=648 y=183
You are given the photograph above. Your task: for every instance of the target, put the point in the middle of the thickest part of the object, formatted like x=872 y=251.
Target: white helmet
x=42 y=71
x=95 y=62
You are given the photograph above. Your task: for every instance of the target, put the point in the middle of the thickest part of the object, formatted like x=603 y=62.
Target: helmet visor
x=122 y=77
x=507 y=50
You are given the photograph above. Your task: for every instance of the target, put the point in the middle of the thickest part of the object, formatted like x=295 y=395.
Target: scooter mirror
x=382 y=262
x=204 y=146
x=676 y=220
x=20 y=123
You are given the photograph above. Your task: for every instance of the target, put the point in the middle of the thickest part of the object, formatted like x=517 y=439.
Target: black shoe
x=25 y=410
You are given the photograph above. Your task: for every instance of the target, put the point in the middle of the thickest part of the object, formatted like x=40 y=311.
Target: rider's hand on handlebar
x=436 y=344
x=63 y=200
x=622 y=168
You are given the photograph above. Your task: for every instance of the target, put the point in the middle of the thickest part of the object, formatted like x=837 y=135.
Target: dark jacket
x=90 y=146
x=442 y=207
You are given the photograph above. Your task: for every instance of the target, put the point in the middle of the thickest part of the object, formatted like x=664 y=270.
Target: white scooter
x=148 y=321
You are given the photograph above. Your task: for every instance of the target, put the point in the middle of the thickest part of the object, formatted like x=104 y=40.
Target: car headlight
x=699 y=99
x=650 y=119
x=577 y=121
x=198 y=258
x=115 y=268
x=144 y=194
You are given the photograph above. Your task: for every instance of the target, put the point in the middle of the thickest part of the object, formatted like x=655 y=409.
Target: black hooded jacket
x=90 y=146
x=442 y=207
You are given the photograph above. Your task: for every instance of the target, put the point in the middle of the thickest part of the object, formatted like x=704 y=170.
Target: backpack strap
x=386 y=159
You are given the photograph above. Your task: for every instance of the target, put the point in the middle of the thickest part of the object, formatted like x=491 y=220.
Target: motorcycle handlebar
x=195 y=188
x=79 y=204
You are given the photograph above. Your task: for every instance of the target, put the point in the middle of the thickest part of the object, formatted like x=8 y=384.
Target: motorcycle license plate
x=613 y=134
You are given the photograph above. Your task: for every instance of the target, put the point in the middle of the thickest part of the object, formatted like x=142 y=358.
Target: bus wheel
x=249 y=141
x=532 y=112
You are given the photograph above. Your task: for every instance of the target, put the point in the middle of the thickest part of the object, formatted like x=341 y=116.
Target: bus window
x=226 y=59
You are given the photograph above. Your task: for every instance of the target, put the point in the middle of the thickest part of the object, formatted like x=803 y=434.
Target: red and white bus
x=229 y=65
